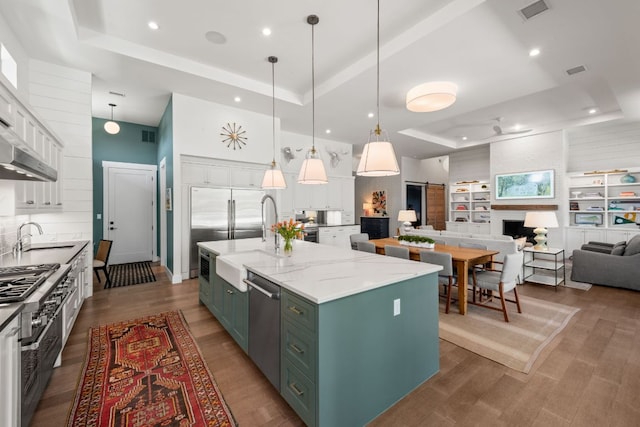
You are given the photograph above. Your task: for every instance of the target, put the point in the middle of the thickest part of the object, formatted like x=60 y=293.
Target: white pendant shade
x=312 y=170
x=273 y=179
x=378 y=158
x=432 y=96
x=111 y=127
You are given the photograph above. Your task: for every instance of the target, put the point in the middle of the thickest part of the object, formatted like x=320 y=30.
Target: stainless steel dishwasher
x=264 y=326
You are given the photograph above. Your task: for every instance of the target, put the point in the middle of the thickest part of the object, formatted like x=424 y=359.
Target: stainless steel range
x=43 y=290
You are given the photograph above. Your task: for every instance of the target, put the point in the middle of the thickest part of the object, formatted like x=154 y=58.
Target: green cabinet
x=346 y=361
x=229 y=305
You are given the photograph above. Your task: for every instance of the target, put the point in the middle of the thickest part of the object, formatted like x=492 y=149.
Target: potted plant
x=418 y=241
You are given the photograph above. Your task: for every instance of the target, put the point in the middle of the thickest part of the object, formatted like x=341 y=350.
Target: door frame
x=106 y=166
x=163 y=213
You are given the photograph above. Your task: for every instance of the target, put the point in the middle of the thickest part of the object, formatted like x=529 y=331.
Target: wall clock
x=233 y=136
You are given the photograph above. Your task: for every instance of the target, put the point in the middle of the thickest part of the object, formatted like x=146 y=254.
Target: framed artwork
x=379 y=202
x=589 y=219
x=168 y=205
x=525 y=185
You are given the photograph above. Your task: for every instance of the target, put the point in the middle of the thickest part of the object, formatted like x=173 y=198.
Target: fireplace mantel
x=524 y=207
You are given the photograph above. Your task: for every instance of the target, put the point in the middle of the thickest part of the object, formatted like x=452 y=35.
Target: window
x=8 y=66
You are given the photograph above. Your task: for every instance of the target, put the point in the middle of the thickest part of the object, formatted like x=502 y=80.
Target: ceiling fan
x=499 y=132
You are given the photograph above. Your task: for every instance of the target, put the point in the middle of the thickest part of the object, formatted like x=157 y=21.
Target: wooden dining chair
x=366 y=247
x=396 y=251
x=502 y=282
x=101 y=261
x=447 y=276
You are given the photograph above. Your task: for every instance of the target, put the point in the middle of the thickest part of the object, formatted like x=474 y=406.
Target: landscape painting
x=525 y=185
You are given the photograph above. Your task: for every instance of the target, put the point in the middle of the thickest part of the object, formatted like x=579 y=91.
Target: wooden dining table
x=463 y=259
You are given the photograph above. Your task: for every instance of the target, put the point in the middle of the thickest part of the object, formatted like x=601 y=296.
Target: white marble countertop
x=321 y=273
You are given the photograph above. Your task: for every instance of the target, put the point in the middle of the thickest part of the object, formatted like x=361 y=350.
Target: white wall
x=471 y=164
x=299 y=145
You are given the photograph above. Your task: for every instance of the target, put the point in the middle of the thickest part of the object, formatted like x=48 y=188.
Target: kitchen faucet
x=17 y=248
x=264 y=227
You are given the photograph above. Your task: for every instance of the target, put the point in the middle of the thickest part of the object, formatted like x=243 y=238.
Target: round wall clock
x=233 y=136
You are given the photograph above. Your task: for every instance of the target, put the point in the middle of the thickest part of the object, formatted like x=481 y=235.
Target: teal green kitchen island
x=358 y=331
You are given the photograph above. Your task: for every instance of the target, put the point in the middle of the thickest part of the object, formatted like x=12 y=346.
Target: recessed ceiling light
x=534 y=52
x=153 y=25
x=237 y=99
x=464 y=138
x=327 y=131
x=266 y=31
x=592 y=111
x=370 y=115
x=215 y=37
x=517 y=126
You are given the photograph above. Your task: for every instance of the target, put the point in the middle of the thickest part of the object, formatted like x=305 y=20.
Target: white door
x=130 y=214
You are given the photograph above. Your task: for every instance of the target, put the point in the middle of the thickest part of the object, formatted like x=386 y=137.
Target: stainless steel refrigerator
x=222 y=214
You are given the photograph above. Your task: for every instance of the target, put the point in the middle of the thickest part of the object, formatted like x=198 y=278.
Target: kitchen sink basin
x=231 y=267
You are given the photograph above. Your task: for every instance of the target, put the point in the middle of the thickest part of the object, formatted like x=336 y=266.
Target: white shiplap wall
x=469 y=165
x=62 y=97
x=606 y=146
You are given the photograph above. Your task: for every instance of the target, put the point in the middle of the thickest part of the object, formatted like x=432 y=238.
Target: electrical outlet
x=98 y=216
x=396 y=307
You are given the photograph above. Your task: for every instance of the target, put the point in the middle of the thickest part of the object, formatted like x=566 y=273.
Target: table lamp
x=541 y=221
x=407 y=217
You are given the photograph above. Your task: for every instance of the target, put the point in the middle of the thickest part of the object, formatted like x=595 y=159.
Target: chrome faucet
x=264 y=227
x=17 y=249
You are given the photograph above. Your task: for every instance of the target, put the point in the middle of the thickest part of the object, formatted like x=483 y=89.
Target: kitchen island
x=358 y=331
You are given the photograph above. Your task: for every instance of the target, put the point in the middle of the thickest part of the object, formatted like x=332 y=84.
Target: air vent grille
x=534 y=9
x=149 y=136
x=576 y=70
x=116 y=93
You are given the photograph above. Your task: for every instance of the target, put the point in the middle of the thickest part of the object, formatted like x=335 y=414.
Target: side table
x=544 y=267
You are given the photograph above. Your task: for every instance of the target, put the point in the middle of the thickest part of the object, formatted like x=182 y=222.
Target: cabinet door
x=325 y=235
x=10 y=374
x=319 y=195
x=334 y=193
x=25 y=195
x=200 y=173
x=348 y=196
x=245 y=177
x=302 y=195
x=7 y=108
x=286 y=197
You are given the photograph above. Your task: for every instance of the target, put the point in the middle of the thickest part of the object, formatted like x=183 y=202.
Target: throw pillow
x=633 y=246
x=618 y=249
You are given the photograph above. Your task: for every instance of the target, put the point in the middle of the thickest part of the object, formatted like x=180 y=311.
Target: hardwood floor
x=589 y=375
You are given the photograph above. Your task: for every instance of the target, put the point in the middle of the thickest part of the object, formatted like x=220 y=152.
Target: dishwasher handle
x=271 y=295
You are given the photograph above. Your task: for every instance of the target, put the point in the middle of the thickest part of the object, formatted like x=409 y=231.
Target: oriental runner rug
x=147 y=372
x=517 y=343
x=131 y=273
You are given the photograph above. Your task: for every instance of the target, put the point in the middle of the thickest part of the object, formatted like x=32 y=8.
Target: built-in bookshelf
x=470 y=202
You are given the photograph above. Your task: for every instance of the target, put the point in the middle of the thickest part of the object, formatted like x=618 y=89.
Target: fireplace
x=516 y=229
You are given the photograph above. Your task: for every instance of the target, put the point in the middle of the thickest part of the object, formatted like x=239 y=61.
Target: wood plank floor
x=589 y=375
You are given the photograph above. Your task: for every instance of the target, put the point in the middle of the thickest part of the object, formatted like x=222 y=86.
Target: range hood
x=18 y=164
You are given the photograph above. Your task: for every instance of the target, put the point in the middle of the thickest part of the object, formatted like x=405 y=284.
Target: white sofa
x=504 y=244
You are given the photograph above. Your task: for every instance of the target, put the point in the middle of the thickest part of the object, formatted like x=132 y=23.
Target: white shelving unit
x=603 y=207
x=544 y=267
x=469 y=203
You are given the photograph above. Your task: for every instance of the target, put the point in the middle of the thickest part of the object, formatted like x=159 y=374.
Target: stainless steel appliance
x=23 y=166
x=42 y=289
x=311 y=233
x=264 y=326
x=222 y=214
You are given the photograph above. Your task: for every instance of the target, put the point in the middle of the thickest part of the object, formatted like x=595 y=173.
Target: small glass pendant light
x=111 y=126
x=378 y=157
x=273 y=177
x=312 y=170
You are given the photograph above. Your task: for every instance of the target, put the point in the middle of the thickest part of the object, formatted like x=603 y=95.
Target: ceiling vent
x=534 y=9
x=116 y=93
x=576 y=70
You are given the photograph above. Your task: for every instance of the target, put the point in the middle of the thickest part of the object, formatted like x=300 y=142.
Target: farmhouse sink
x=231 y=267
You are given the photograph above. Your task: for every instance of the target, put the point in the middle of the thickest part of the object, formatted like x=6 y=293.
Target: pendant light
x=111 y=126
x=312 y=170
x=378 y=157
x=273 y=178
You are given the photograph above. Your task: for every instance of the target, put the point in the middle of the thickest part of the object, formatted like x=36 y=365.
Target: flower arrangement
x=289 y=230
x=420 y=241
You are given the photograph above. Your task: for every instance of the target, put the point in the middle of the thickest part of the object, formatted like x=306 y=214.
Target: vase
x=288 y=247
x=627 y=179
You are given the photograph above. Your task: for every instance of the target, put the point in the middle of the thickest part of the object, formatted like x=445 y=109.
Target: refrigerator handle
x=229 y=220
x=233 y=225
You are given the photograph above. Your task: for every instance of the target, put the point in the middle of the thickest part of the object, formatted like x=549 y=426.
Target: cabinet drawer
x=299 y=311
x=205 y=291
x=299 y=347
x=299 y=392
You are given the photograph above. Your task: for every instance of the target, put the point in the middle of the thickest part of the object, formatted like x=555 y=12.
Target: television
x=516 y=229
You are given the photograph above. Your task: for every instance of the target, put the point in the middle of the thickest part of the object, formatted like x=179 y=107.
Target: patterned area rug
x=516 y=344
x=147 y=372
x=131 y=274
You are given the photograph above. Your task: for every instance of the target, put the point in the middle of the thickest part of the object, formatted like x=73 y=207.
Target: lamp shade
x=432 y=96
x=541 y=219
x=111 y=127
x=378 y=158
x=312 y=170
x=407 y=216
x=273 y=179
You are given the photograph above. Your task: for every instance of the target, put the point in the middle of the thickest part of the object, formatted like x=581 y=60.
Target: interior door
x=130 y=217
x=435 y=197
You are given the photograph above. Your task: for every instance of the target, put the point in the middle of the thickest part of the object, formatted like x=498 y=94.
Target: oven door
x=205 y=265
x=311 y=236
